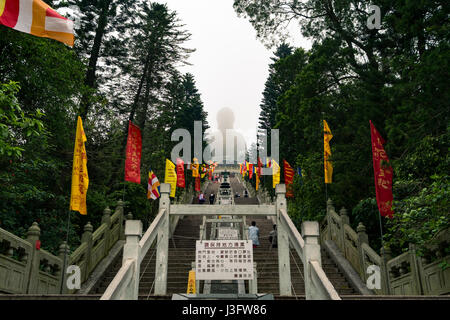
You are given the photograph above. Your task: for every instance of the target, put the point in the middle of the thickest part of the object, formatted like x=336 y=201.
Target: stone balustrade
x=25 y=268
x=406 y=274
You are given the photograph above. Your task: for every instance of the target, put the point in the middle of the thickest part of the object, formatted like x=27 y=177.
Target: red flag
x=382 y=173
x=250 y=171
x=133 y=154
x=181 y=183
x=288 y=179
x=197 y=184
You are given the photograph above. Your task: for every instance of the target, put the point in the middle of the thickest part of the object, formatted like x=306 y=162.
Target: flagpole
x=66 y=248
x=326 y=188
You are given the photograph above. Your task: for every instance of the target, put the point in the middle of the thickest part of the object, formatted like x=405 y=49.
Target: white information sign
x=228 y=234
x=224 y=260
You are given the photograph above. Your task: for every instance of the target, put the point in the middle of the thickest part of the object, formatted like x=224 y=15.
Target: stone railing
x=406 y=274
x=27 y=269
x=125 y=285
x=317 y=284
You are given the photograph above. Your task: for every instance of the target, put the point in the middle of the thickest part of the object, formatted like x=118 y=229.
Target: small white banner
x=224 y=260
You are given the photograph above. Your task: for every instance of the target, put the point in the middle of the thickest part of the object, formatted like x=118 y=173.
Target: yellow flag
x=327 y=136
x=171 y=177
x=275 y=173
x=195 y=167
x=80 y=178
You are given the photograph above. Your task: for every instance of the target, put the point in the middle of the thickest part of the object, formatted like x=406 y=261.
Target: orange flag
x=37 y=18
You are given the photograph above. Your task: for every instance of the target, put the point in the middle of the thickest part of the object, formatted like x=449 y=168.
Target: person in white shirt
x=253 y=234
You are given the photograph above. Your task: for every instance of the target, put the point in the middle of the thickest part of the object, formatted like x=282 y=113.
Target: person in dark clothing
x=211 y=198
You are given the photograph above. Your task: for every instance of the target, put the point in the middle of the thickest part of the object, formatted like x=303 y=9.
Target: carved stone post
x=362 y=238
x=284 y=266
x=119 y=207
x=63 y=250
x=385 y=281
x=162 y=254
x=33 y=234
x=329 y=222
x=106 y=219
x=415 y=264
x=311 y=251
x=132 y=250
x=344 y=220
x=87 y=238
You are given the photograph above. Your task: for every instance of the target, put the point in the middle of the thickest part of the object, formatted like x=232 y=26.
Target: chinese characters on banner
x=133 y=154
x=224 y=260
x=181 y=183
x=382 y=173
x=171 y=177
x=80 y=179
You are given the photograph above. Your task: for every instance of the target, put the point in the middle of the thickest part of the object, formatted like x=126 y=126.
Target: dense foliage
x=396 y=76
x=123 y=67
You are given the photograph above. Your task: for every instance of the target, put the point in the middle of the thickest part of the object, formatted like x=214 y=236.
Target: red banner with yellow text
x=288 y=179
x=382 y=173
x=133 y=154
x=181 y=182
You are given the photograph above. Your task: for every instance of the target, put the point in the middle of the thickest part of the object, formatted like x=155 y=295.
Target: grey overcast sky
x=230 y=65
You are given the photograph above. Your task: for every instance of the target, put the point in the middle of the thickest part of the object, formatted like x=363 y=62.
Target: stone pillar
x=119 y=208
x=344 y=220
x=33 y=234
x=162 y=254
x=415 y=264
x=284 y=262
x=132 y=250
x=386 y=255
x=63 y=250
x=329 y=208
x=362 y=238
x=87 y=238
x=311 y=251
x=106 y=219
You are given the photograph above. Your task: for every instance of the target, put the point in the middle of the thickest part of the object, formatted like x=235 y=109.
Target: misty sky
x=230 y=65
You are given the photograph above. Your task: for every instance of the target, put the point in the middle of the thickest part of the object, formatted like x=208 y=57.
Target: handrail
x=296 y=239
x=121 y=280
x=322 y=282
x=150 y=235
x=317 y=285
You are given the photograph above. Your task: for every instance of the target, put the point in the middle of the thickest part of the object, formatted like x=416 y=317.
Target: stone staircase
x=182 y=254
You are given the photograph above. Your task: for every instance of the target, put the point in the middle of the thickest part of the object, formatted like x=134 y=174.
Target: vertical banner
x=275 y=173
x=195 y=167
x=250 y=171
x=80 y=178
x=181 y=182
x=171 y=177
x=288 y=179
x=197 y=184
x=382 y=174
x=327 y=136
x=257 y=178
x=133 y=154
